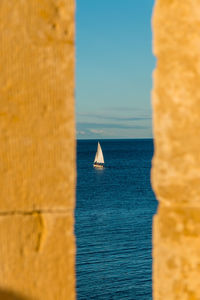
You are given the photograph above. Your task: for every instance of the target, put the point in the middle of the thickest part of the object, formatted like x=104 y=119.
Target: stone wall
x=37 y=149
x=176 y=163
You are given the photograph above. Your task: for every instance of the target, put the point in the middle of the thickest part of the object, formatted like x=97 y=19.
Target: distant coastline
x=113 y=139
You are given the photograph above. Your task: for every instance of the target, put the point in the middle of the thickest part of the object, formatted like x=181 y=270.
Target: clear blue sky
x=114 y=65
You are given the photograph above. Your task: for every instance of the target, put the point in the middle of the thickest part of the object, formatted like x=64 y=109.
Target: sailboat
x=99 y=160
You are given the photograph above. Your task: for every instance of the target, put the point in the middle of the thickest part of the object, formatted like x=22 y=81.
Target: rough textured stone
x=176 y=254
x=176 y=102
x=37 y=255
x=37 y=150
x=176 y=162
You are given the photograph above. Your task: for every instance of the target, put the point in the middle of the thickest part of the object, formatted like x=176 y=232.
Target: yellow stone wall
x=176 y=163
x=37 y=149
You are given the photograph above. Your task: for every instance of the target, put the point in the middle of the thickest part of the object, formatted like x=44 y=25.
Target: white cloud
x=96 y=130
x=80 y=132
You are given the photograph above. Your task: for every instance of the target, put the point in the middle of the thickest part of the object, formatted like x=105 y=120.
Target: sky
x=114 y=64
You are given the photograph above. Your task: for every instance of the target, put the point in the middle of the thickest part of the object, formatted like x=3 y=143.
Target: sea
x=113 y=220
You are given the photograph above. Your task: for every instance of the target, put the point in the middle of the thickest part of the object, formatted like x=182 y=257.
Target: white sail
x=99 y=155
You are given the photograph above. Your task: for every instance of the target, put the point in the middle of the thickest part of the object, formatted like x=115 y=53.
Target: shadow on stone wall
x=6 y=295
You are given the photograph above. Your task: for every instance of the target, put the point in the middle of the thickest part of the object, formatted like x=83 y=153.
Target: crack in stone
x=41 y=232
x=36 y=211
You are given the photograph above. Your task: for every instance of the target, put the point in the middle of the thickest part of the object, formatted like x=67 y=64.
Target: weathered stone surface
x=176 y=162
x=176 y=99
x=37 y=151
x=176 y=254
x=37 y=255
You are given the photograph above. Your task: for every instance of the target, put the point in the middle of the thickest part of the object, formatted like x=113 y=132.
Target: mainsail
x=99 y=155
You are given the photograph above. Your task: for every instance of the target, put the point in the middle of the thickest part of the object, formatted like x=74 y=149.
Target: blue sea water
x=114 y=211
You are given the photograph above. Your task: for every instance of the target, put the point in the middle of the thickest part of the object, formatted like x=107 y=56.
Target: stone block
x=37 y=132
x=176 y=164
x=37 y=255
x=176 y=256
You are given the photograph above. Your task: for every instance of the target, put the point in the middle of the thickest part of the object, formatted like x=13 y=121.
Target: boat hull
x=98 y=166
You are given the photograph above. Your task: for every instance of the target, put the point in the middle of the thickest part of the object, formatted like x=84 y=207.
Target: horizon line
x=149 y=138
